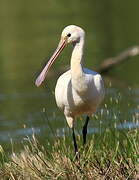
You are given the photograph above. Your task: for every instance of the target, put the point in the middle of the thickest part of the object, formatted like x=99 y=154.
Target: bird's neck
x=77 y=73
x=76 y=59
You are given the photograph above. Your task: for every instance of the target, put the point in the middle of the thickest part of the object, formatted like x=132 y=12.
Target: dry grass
x=106 y=160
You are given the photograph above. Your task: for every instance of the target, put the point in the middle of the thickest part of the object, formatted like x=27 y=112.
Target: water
x=30 y=31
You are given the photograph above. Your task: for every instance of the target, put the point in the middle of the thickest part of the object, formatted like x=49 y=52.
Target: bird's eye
x=69 y=35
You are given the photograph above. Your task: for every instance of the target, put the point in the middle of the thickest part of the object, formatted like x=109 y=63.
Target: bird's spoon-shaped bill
x=44 y=72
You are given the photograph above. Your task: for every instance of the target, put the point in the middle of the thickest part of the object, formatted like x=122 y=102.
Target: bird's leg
x=75 y=144
x=84 y=131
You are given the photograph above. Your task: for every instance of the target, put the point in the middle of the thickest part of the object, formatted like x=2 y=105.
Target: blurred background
x=30 y=31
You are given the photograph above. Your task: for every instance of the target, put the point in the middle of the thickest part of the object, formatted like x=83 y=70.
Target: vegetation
x=112 y=154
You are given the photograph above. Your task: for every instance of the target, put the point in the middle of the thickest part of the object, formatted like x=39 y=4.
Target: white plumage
x=75 y=98
x=79 y=90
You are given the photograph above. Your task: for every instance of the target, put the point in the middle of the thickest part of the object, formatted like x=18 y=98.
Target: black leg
x=85 y=130
x=74 y=142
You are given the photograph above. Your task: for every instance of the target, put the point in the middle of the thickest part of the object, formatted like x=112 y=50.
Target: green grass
x=112 y=154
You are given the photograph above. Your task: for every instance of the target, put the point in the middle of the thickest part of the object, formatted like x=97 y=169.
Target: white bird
x=79 y=90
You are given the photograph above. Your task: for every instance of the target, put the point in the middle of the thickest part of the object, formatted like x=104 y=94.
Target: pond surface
x=30 y=31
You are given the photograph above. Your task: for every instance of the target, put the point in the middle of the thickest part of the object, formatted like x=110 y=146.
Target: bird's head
x=71 y=34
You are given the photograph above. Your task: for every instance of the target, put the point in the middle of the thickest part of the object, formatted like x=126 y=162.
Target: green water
x=30 y=30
